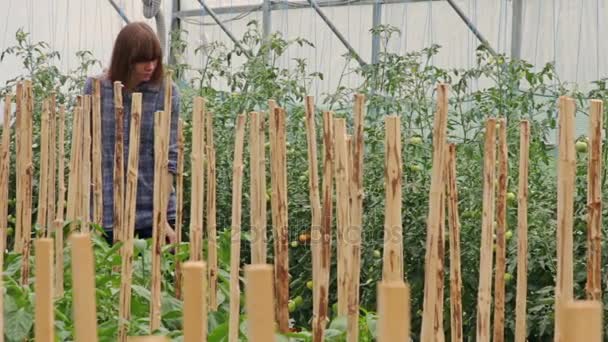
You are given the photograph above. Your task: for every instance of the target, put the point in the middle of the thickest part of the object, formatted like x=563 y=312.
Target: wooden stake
x=324 y=251
x=124 y=310
x=279 y=214
x=44 y=327
x=501 y=228
x=211 y=220
x=75 y=166
x=20 y=172
x=522 y=233
x=582 y=321
x=438 y=324
x=195 y=301
x=258 y=189
x=5 y=159
x=85 y=189
x=235 y=245
x=119 y=166
x=484 y=294
x=433 y=222
x=180 y=207
x=44 y=167
x=565 y=202
x=60 y=207
x=342 y=173
x=394 y=311
x=260 y=302
x=594 y=203
x=198 y=180
x=151 y=338
x=27 y=177
x=96 y=163
x=83 y=273
x=52 y=168
x=392 y=265
x=454 y=226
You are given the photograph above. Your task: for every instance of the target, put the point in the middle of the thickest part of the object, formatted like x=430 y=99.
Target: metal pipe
x=472 y=27
x=266 y=19
x=516 y=29
x=224 y=28
x=336 y=32
x=121 y=13
x=377 y=21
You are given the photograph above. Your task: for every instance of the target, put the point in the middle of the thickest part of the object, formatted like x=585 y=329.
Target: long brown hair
x=135 y=43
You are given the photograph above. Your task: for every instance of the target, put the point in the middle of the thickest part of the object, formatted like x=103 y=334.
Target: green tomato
x=508 y=277
x=309 y=284
x=508 y=235
x=10 y=231
x=377 y=253
x=295 y=244
x=416 y=167
x=415 y=140
x=298 y=300
x=291 y=306
x=581 y=146
x=511 y=196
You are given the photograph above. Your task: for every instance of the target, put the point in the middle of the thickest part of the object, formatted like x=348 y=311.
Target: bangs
x=147 y=49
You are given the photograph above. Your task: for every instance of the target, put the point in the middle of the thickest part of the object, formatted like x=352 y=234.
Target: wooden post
x=433 y=222
x=44 y=167
x=565 y=202
x=60 y=206
x=392 y=265
x=484 y=294
x=124 y=310
x=342 y=174
x=594 y=203
x=211 y=219
x=83 y=273
x=259 y=298
x=393 y=311
x=195 y=301
x=27 y=177
x=96 y=163
x=52 y=167
x=75 y=166
x=501 y=228
x=278 y=156
x=454 y=228
x=19 y=172
x=582 y=321
x=85 y=189
x=235 y=245
x=438 y=324
x=119 y=165
x=5 y=159
x=151 y=338
x=198 y=180
x=522 y=233
x=258 y=189
x=179 y=193
x=43 y=288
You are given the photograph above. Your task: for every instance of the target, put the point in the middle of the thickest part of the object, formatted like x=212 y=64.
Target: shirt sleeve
x=175 y=105
x=88 y=86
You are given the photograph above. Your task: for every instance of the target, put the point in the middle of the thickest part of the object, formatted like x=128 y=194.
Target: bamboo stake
x=28 y=169
x=85 y=320
x=85 y=190
x=484 y=294
x=454 y=226
x=60 y=207
x=342 y=173
x=180 y=207
x=44 y=168
x=161 y=144
x=315 y=205
x=19 y=160
x=433 y=222
x=279 y=214
x=75 y=166
x=522 y=233
x=565 y=201
x=198 y=179
x=258 y=189
x=151 y=338
x=594 y=203
x=119 y=166
x=211 y=219
x=392 y=265
x=235 y=245
x=96 y=163
x=44 y=316
x=52 y=167
x=582 y=321
x=501 y=227
x=124 y=310
x=394 y=311
x=324 y=252
x=195 y=301
x=260 y=302
x=5 y=159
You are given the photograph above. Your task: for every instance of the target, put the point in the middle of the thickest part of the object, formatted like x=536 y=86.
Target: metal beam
x=337 y=33
x=266 y=19
x=472 y=27
x=175 y=25
x=224 y=28
x=516 y=29
x=121 y=13
x=377 y=21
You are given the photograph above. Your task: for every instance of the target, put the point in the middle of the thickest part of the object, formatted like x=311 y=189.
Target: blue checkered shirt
x=152 y=101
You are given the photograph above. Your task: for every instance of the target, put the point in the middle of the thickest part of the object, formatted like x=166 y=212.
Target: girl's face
x=144 y=71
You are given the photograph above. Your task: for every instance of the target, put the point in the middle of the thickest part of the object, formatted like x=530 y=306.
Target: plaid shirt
x=152 y=101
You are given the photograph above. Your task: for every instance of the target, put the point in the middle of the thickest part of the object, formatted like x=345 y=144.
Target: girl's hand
x=171 y=236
